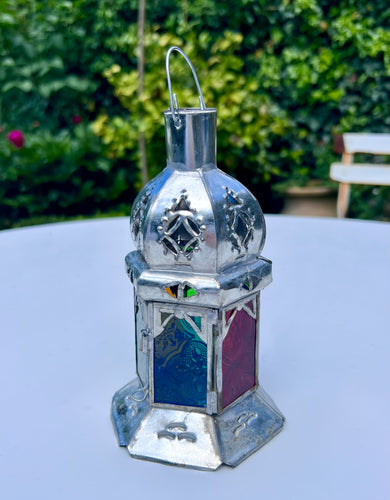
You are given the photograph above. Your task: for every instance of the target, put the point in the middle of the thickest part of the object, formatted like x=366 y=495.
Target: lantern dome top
x=200 y=220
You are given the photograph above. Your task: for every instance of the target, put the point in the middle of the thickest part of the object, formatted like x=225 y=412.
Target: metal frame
x=224 y=329
x=208 y=320
x=141 y=337
x=216 y=330
x=192 y=200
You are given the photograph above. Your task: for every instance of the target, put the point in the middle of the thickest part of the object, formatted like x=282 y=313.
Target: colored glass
x=180 y=364
x=189 y=292
x=228 y=314
x=239 y=356
x=172 y=290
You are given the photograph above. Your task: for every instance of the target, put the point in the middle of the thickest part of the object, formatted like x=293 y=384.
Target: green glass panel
x=189 y=292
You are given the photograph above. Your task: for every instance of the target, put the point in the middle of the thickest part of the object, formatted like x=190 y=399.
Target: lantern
x=197 y=275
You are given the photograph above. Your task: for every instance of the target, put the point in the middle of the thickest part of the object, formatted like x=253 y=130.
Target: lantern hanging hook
x=172 y=97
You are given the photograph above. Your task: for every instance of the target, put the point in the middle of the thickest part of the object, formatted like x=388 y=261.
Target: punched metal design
x=239 y=221
x=139 y=210
x=181 y=233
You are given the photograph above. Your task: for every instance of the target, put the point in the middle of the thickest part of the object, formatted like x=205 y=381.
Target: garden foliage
x=285 y=76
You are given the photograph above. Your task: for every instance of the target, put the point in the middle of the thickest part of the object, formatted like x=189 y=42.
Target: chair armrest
x=361 y=173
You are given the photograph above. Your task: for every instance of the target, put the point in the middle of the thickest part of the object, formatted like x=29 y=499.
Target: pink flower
x=17 y=138
x=76 y=119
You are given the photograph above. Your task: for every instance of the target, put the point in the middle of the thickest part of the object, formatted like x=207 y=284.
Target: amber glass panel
x=172 y=290
x=238 y=357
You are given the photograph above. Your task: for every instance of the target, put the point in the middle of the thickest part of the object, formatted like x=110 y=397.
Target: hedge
x=284 y=75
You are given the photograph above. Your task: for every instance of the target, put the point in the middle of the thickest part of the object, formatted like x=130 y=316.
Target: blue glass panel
x=180 y=365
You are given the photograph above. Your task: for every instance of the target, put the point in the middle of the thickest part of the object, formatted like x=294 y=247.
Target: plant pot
x=311 y=200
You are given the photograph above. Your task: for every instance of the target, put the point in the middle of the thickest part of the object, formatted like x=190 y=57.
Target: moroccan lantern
x=197 y=274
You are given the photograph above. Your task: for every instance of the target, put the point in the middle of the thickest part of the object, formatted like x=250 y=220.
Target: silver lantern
x=197 y=274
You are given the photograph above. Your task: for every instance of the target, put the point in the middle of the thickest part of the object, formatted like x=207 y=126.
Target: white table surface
x=67 y=344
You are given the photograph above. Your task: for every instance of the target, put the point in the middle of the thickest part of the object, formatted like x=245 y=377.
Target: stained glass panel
x=228 y=314
x=172 y=290
x=164 y=316
x=239 y=357
x=180 y=364
x=189 y=292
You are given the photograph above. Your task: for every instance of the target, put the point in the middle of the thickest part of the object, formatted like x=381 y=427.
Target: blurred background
x=83 y=89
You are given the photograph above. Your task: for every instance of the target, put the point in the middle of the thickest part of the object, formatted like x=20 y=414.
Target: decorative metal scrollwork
x=139 y=210
x=242 y=421
x=239 y=221
x=181 y=233
x=248 y=307
x=177 y=430
x=131 y=402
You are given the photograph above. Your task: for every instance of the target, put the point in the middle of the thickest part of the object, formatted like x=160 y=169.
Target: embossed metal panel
x=142 y=334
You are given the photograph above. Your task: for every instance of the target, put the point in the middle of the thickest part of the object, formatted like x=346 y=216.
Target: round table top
x=67 y=333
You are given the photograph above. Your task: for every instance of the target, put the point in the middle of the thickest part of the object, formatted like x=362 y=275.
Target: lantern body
x=197 y=274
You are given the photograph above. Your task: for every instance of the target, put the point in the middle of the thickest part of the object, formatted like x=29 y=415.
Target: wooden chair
x=347 y=172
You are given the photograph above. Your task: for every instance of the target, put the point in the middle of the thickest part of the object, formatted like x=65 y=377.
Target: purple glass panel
x=238 y=357
x=228 y=314
x=250 y=305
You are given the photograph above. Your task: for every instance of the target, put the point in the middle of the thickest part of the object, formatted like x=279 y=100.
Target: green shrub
x=59 y=174
x=52 y=54
x=284 y=75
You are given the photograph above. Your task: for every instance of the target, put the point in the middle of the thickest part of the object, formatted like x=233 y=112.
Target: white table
x=67 y=344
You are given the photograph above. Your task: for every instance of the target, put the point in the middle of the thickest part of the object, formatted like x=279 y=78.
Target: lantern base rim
x=190 y=438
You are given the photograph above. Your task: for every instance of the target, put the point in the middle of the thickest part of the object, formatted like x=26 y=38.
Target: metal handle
x=172 y=97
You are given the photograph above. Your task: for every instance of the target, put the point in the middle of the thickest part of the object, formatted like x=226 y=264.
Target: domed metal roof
x=200 y=218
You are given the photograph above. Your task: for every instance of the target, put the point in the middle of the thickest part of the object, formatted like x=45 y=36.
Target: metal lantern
x=197 y=274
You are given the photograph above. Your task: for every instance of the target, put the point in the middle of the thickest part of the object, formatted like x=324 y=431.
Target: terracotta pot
x=318 y=201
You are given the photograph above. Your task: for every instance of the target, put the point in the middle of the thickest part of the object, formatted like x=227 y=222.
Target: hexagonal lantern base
x=194 y=439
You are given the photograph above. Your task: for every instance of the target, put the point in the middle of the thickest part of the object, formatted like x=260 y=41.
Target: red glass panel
x=250 y=305
x=238 y=357
x=228 y=314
